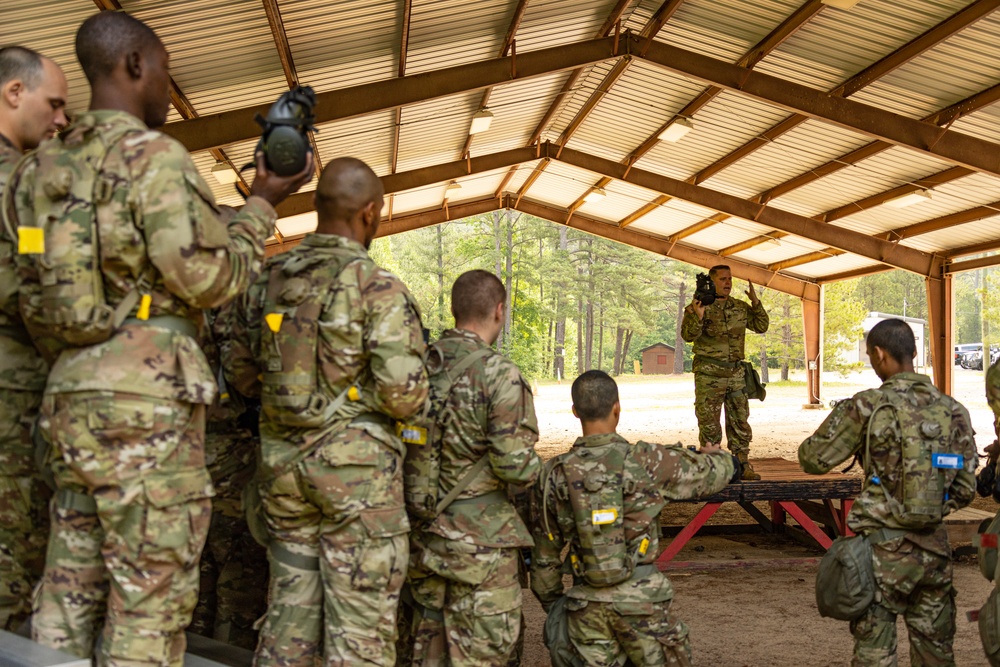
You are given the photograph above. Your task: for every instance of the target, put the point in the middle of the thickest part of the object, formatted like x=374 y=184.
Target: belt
x=74 y=500
x=886 y=534
x=17 y=334
x=718 y=362
x=489 y=498
x=174 y=323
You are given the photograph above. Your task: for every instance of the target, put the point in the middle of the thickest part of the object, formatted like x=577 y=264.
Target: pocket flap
x=497 y=600
x=106 y=415
x=163 y=490
x=385 y=522
x=351 y=452
x=633 y=608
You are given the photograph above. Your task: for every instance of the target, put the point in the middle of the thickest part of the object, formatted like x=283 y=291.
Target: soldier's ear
x=133 y=64
x=573 y=408
x=11 y=93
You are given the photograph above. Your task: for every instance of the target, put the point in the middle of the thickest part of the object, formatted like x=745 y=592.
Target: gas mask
x=285 y=142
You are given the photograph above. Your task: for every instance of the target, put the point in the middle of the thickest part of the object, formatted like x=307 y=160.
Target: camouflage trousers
x=469 y=616
x=129 y=519
x=605 y=634
x=232 y=592
x=338 y=557
x=24 y=512
x=711 y=395
x=916 y=583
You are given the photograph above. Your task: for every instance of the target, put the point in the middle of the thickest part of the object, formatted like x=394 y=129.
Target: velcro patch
x=410 y=434
x=30 y=241
x=603 y=517
x=948 y=461
x=988 y=540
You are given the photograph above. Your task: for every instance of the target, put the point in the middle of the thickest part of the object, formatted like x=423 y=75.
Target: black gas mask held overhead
x=285 y=142
x=704 y=291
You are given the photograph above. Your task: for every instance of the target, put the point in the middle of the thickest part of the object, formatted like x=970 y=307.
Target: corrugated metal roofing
x=224 y=57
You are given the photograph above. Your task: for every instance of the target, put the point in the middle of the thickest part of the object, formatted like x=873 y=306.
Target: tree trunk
x=497 y=266
x=559 y=359
x=763 y=365
x=625 y=346
x=579 y=337
x=786 y=336
x=509 y=252
x=678 y=341
x=600 y=340
x=619 y=339
x=440 y=272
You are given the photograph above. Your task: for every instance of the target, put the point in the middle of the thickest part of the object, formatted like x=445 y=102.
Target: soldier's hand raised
x=696 y=308
x=275 y=189
x=754 y=300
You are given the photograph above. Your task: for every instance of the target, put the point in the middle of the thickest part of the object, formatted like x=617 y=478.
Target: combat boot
x=748 y=472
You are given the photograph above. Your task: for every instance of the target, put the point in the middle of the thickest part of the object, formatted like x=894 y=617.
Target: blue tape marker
x=948 y=461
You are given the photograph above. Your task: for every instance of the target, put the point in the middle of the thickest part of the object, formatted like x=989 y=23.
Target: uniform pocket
x=177 y=516
x=210 y=230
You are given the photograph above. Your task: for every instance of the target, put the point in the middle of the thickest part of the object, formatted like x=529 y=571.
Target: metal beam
x=955 y=147
x=812 y=325
x=508 y=42
x=941 y=316
x=855 y=273
x=973 y=249
x=825 y=253
x=302 y=202
x=700 y=226
x=238 y=125
x=942 y=222
x=972 y=264
x=752 y=243
x=897 y=58
x=944 y=117
x=642 y=210
x=801 y=288
x=758 y=52
x=835 y=237
x=926 y=183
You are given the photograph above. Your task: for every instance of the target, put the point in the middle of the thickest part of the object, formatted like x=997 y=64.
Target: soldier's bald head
x=106 y=38
x=594 y=395
x=346 y=186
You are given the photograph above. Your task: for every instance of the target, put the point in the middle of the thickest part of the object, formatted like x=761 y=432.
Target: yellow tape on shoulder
x=30 y=240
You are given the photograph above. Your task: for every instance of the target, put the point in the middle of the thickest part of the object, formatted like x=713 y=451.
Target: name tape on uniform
x=410 y=434
x=948 y=461
x=603 y=517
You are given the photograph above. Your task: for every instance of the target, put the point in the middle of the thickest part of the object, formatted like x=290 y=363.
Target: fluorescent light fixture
x=481 y=121
x=773 y=241
x=917 y=197
x=452 y=190
x=841 y=4
x=676 y=130
x=595 y=195
x=224 y=173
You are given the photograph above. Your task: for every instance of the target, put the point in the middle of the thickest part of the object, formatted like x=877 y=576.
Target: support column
x=941 y=317
x=812 y=319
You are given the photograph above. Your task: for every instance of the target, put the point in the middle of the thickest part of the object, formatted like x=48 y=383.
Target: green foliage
x=842 y=325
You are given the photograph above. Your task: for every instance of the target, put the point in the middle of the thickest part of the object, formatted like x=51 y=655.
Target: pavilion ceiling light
x=481 y=121
x=917 y=197
x=841 y=4
x=596 y=194
x=773 y=242
x=224 y=173
x=676 y=130
x=452 y=190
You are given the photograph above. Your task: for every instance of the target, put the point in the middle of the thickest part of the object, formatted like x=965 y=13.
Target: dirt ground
x=749 y=599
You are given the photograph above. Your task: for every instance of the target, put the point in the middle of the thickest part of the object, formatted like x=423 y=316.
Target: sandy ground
x=753 y=603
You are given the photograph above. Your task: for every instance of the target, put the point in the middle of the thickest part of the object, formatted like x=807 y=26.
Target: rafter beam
x=894 y=60
x=701 y=225
x=758 y=52
x=855 y=273
x=974 y=249
x=642 y=210
x=238 y=125
x=835 y=237
x=944 y=117
x=959 y=149
x=825 y=253
x=404 y=42
x=302 y=202
x=942 y=222
x=752 y=243
x=646 y=35
x=508 y=41
x=972 y=264
x=880 y=198
x=665 y=247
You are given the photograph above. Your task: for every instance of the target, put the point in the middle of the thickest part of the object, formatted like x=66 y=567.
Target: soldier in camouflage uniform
x=632 y=618
x=232 y=591
x=464 y=563
x=718 y=333
x=126 y=417
x=913 y=570
x=32 y=108
x=333 y=346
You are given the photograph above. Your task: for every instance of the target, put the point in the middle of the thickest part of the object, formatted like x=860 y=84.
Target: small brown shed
x=657 y=359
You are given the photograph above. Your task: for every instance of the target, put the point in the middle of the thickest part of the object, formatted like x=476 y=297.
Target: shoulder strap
x=480 y=465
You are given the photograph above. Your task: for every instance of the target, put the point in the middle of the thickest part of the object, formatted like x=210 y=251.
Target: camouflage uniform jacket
x=21 y=366
x=721 y=333
x=369 y=328
x=674 y=473
x=494 y=415
x=993 y=394
x=842 y=434
x=163 y=224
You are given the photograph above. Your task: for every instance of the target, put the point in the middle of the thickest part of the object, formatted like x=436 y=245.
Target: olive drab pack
x=928 y=464
x=62 y=242
x=422 y=437
x=292 y=392
x=604 y=486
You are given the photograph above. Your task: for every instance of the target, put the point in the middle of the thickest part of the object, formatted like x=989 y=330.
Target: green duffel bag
x=753 y=387
x=989 y=628
x=845 y=583
x=555 y=636
x=986 y=544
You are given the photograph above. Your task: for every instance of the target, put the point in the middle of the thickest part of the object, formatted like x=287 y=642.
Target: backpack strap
x=456 y=372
